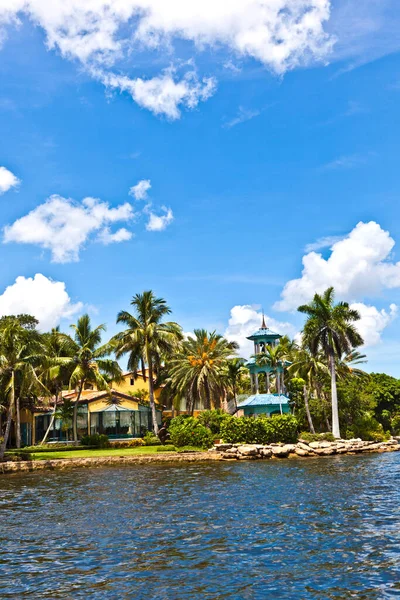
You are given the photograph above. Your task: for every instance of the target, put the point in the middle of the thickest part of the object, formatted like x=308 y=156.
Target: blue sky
x=257 y=153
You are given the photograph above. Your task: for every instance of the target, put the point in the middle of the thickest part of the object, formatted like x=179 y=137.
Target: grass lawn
x=102 y=452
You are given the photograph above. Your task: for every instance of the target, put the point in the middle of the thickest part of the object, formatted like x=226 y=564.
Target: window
x=132 y=381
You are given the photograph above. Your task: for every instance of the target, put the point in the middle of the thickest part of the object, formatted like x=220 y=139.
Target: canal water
x=298 y=529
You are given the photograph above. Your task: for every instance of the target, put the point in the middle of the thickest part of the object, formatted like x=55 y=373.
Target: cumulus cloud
x=159 y=222
x=280 y=34
x=323 y=242
x=358 y=266
x=121 y=235
x=40 y=297
x=373 y=321
x=7 y=180
x=139 y=191
x=244 y=320
x=63 y=225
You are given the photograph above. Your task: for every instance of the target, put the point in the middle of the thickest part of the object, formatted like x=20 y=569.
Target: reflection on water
x=327 y=528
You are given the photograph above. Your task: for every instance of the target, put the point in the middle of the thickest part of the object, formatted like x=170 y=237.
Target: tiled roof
x=264 y=400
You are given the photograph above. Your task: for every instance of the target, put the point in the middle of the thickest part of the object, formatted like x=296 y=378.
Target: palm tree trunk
x=309 y=419
x=268 y=382
x=234 y=395
x=51 y=420
x=17 y=424
x=208 y=395
x=9 y=417
x=151 y=394
x=335 y=410
x=75 y=415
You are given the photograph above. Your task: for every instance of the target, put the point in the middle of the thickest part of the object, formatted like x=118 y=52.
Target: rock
x=222 y=447
x=280 y=451
x=266 y=452
x=301 y=451
x=248 y=450
x=315 y=445
x=303 y=446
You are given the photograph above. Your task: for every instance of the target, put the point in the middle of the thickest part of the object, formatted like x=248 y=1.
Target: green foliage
x=96 y=440
x=367 y=427
x=132 y=443
x=317 y=437
x=260 y=430
x=165 y=449
x=150 y=439
x=213 y=419
x=190 y=432
x=395 y=424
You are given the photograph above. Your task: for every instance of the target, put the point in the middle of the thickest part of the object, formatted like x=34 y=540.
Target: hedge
x=259 y=430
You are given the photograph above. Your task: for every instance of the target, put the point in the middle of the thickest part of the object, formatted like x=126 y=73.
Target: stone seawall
x=302 y=449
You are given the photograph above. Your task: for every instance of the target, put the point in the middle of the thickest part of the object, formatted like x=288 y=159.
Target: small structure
x=265 y=403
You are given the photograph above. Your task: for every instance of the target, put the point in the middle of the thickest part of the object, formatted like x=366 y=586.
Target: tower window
x=132 y=381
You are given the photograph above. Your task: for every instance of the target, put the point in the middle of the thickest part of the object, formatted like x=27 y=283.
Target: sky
x=232 y=157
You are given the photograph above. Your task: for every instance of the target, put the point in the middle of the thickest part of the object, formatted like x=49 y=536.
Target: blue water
x=299 y=529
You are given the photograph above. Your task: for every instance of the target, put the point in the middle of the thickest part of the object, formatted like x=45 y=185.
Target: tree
x=88 y=363
x=59 y=349
x=20 y=348
x=147 y=340
x=198 y=369
x=309 y=368
x=234 y=370
x=272 y=357
x=330 y=328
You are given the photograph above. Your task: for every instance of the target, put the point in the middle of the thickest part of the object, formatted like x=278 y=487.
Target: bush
x=96 y=440
x=395 y=424
x=368 y=428
x=133 y=443
x=150 y=439
x=259 y=430
x=190 y=432
x=165 y=449
x=317 y=437
x=213 y=419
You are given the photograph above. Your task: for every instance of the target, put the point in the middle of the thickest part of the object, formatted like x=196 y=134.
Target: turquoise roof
x=264 y=333
x=264 y=400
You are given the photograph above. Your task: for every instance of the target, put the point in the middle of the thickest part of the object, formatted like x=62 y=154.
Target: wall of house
x=127 y=387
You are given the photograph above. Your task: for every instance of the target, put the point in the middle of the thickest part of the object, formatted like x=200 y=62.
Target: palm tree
x=19 y=350
x=59 y=350
x=347 y=365
x=272 y=357
x=147 y=340
x=198 y=368
x=88 y=363
x=330 y=328
x=234 y=370
x=308 y=367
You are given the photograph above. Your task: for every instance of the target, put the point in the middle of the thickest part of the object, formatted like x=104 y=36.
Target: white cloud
x=139 y=191
x=242 y=116
x=159 y=222
x=7 y=180
x=40 y=297
x=359 y=265
x=244 y=320
x=163 y=95
x=121 y=235
x=280 y=34
x=63 y=226
x=347 y=162
x=373 y=321
x=323 y=242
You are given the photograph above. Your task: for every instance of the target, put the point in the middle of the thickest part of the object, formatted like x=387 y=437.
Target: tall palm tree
x=198 y=368
x=272 y=357
x=56 y=368
x=330 y=328
x=309 y=367
x=88 y=364
x=148 y=340
x=347 y=365
x=19 y=350
x=234 y=369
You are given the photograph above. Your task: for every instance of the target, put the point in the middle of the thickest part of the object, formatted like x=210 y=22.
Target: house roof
x=89 y=395
x=264 y=400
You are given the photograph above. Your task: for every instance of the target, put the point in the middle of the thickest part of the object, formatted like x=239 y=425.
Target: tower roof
x=264 y=333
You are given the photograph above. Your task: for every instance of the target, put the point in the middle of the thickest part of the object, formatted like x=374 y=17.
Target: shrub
x=150 y=439
x=213 y=419
x=190 y=432
x=368 y=428
x=307 y=436
x=165 y=449
x=133 y=443
x=395 y=424
x=96 y=440
x=259 y=430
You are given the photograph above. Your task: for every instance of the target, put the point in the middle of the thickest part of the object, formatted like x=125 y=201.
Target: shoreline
x=231 y=452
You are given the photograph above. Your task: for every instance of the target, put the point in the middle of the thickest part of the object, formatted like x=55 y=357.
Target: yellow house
x=131 y=385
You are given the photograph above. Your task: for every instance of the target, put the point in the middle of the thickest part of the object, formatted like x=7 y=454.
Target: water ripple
x=318 y=529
